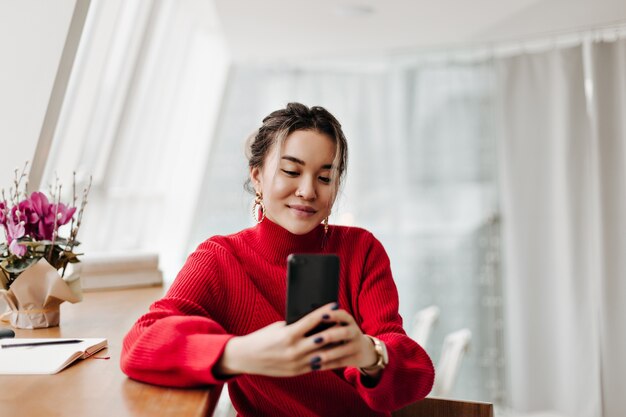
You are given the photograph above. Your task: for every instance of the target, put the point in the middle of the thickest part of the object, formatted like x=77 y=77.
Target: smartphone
x=312 y=281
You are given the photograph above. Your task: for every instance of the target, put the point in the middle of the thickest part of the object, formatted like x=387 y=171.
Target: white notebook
x=44 y=358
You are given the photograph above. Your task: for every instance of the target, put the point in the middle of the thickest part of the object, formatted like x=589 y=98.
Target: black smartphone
x=312 y=281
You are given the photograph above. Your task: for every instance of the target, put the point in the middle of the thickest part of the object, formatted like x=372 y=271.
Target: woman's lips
x=304 y=211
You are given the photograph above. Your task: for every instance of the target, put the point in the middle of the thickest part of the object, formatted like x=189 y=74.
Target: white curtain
x=548 y=203
x=609 y=165
x=139 y=118
x=421 y=177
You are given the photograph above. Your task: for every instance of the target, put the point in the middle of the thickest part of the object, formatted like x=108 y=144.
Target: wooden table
x=97 y=387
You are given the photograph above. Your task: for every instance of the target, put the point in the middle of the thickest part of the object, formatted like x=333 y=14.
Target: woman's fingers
x=347 y=354
x=341 y=317
x=311 y=320
x=341 y=345
x=340 y=334
x=284 y=350
x=341 y=362
x=336 y=334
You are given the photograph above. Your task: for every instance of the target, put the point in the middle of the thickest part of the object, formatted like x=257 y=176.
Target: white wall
x=32 y=36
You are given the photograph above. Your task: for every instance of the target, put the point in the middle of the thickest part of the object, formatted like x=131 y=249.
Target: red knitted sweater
x=234 y=285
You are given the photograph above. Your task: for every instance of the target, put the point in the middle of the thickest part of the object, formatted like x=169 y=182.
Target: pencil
x=52 y=342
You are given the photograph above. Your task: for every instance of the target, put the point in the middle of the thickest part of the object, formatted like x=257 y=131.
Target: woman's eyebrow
x=294 y=160
x=301 y=162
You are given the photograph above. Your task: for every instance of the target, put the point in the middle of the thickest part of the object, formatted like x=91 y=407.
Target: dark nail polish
x=319 y=340
x=316 y=360
x=335 y=306
x=325 y=316
x=316 y=367
x=343 y=323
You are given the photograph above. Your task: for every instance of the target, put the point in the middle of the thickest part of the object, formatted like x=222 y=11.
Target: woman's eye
x=325 y=180
x=290 y=173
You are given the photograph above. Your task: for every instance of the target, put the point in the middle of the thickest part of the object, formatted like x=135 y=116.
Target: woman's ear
x=255 y=178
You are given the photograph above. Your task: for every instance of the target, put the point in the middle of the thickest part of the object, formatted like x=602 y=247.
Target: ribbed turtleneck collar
x=275 y=243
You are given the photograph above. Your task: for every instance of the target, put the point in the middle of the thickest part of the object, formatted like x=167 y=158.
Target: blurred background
x=487 y=153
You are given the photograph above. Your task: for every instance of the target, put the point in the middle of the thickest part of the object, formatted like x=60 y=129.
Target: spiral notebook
x=44 y=356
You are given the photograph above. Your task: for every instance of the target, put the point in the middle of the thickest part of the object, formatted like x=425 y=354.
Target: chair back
x=454 y=347
x=423 y=322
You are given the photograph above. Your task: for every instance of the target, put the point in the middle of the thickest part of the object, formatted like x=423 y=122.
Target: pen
x=53 y=342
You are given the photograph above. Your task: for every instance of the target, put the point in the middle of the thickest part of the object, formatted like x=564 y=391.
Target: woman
x=222 y=319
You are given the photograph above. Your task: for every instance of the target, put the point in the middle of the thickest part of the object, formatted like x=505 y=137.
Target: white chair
x=454 y=347
x=423 y=322
x=224 y=408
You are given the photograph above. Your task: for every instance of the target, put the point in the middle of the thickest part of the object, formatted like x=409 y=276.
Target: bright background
x=487 y=153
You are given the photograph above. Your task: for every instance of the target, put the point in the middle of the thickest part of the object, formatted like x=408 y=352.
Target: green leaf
x=33 y=244
x=61 y=241
x=38 y=242
x=19 y=265
x=67 y=255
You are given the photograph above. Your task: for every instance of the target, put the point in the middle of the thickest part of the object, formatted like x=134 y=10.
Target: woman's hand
x=283 y=350
x=344 y=344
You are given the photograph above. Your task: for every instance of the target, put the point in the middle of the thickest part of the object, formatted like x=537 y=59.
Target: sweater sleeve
x=178 y=342
x=410 y=374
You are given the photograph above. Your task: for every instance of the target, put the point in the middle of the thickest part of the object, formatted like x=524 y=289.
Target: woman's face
x=296 y=181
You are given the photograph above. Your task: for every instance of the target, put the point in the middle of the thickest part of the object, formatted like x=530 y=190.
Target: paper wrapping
x=35 y=297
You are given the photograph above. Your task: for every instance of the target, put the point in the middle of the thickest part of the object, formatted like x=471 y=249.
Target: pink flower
x=39 y=215
x=17 y=249
x=45 y=225
x=39 y=203
x=25 y=213
x=39 y=206
x=64 y=213
x=14 y=232
x=35 y=217
x=3 y=216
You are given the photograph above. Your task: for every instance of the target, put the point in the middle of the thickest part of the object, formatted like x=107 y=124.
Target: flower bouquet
x=34 y=258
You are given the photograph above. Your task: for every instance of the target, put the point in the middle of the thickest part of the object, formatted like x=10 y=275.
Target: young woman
x=222 y=319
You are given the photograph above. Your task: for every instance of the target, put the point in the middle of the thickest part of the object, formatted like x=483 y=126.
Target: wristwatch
x=381 y=355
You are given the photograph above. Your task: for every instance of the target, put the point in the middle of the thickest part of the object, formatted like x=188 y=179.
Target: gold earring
x=325 y=226
x=258 y=205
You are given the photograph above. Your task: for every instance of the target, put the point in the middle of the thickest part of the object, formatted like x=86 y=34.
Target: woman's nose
x=306 y=189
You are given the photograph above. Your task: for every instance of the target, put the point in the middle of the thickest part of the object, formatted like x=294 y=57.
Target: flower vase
x=35 y=296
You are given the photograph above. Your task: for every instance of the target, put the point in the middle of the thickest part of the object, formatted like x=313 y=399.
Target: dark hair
x=281 y=123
